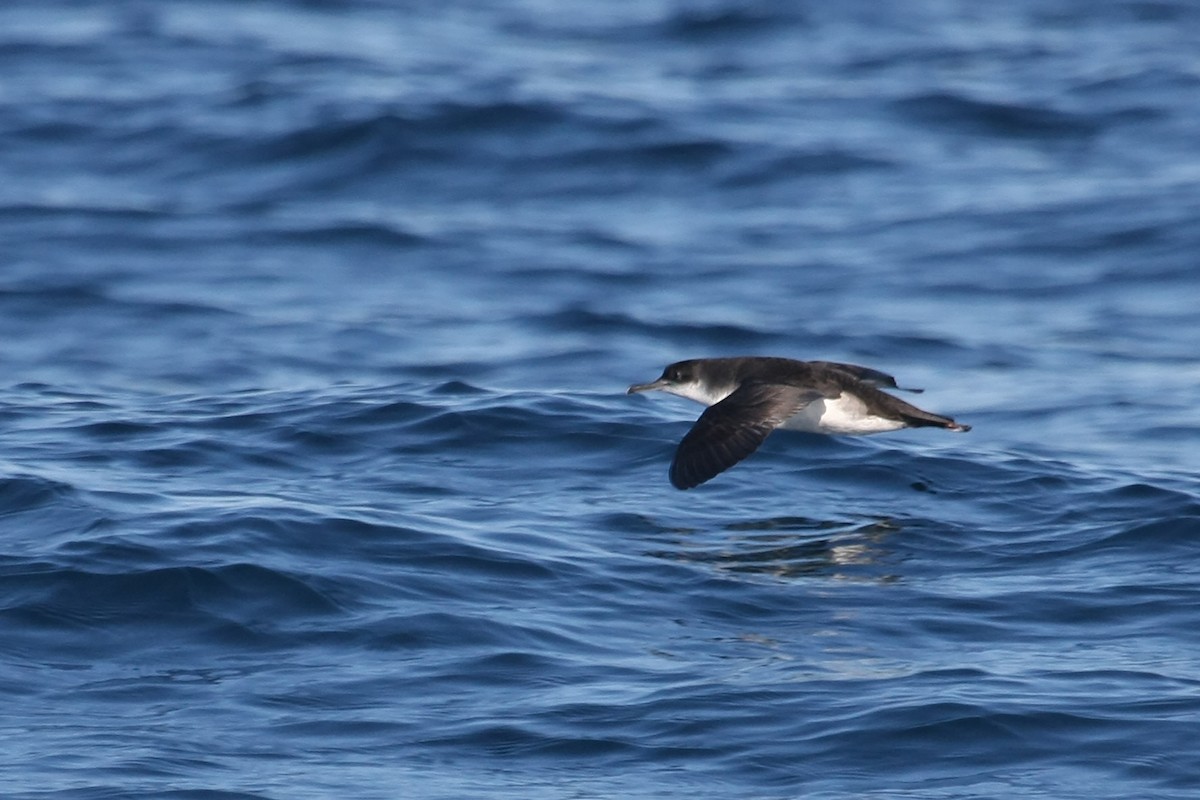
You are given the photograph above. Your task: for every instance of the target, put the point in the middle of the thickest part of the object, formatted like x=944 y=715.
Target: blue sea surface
x=319 y=478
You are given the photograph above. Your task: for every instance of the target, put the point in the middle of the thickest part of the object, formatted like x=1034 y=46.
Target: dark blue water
x=318 y=476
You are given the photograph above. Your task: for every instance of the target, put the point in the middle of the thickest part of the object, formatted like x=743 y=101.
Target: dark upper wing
x=871 y=377
x=732 y=429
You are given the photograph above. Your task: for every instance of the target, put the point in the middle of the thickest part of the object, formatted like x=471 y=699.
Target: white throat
x=699 y=392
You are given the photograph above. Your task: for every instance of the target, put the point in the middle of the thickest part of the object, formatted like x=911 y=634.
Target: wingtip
x=680 y=482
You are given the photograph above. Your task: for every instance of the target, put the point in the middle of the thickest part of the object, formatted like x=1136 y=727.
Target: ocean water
x=319 y=478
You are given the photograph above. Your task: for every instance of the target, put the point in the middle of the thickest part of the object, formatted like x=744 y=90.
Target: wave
x=1001 y=119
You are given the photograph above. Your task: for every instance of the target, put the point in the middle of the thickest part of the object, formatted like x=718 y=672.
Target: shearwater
x=750 y=396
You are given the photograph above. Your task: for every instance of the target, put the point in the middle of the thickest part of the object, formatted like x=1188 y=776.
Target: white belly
x=846 y=415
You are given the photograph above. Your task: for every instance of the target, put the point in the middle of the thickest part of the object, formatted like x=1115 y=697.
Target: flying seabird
x=750 y=396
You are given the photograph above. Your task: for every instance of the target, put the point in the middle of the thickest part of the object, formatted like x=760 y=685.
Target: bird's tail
x=914 y=417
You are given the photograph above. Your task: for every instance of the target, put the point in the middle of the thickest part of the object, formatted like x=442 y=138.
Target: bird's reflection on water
x=790 y=547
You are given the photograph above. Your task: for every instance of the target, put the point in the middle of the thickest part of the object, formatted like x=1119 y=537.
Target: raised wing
x=871 y=377
x=734 y=428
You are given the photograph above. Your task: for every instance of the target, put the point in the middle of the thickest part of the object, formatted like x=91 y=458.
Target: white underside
x=845 y=416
